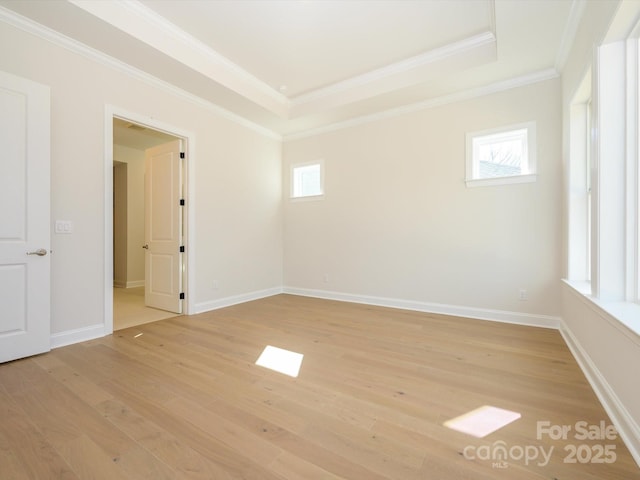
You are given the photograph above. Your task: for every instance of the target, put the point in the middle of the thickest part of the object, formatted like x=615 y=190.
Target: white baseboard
x=625 y=424
x=236 y=299
x=518 y=318
x=77 y=335
x=132 y=284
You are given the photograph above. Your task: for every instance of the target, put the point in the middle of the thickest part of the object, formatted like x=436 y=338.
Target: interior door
x=163 y=227
x=24 y=218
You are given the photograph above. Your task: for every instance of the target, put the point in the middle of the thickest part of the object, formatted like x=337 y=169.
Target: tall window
x=503 y=155
x=604 y=177
x=579 y=184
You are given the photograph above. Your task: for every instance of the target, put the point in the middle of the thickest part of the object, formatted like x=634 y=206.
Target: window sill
x=308 y=198
x=627 y=313
x=487 y=182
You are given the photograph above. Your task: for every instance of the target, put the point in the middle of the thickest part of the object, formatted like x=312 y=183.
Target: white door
x=163 y=227
x=24 y=218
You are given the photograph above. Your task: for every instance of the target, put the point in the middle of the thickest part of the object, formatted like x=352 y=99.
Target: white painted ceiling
x=296 y=65
x=137 y=136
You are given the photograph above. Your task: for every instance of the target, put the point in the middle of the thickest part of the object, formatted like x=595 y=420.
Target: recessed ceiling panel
x=306 y=45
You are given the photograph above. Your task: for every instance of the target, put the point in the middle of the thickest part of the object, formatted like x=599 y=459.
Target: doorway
x=132 y=143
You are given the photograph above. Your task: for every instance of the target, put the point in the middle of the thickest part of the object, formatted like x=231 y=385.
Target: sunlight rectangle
x=280 y=360
x=482 y=421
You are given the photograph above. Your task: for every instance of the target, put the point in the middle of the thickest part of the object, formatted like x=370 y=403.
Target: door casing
x=189 y=145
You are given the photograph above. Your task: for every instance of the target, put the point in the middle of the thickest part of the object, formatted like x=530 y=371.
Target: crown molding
x=142 y=23
x=569 y=33
x=497 y=87
x=27 y=25
x=403 y=66
x=462 y=54
x=30 y=26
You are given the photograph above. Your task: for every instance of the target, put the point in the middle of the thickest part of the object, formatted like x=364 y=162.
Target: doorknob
x=41 y=252
x=146 y=246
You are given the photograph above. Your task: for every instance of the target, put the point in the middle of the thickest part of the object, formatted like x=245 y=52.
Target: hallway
x=129 y=309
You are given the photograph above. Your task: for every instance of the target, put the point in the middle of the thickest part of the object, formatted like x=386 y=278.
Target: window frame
x=292 y=181
x=578 y=184
x=529 y=168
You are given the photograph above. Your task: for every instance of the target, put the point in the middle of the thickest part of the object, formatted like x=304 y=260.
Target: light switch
x=63 y=226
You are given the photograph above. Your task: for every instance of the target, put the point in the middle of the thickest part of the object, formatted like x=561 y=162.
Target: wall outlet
x=325 y=278
x=522 y=295
x=216 y=285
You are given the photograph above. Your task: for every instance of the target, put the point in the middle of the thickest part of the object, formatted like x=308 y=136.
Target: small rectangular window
x=307 y=180
x=502 y=155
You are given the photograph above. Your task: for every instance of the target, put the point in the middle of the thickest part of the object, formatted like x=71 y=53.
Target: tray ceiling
x=291 y=66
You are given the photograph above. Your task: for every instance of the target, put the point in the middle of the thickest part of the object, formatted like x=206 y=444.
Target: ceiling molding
x=493 y=88
x=465 y=53
x=142 y=23
x=30 y=26
x=569 y=34
x=449 y=58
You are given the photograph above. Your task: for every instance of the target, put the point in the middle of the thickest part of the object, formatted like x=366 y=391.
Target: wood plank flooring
x=183 y=399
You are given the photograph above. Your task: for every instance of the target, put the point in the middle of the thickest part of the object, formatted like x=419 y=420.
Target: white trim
x=625 y=424
x=12 y=18
x=517 y=318
x=135 y=284
x=48 y=34
x=108 y=220
x=486 y=182
x=464 y=95
x=424 y=59
x=624 y=316
x=632 y=185
x=189 y=231
x=77 y=335
x=529 y=161
x=236 y=299
x=142 y=23
x=292 y=180
x=569 y=33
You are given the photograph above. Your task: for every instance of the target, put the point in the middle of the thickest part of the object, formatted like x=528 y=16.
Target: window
x=307 y=180
x=502 y=155
x=604 y=183
x=579 y=187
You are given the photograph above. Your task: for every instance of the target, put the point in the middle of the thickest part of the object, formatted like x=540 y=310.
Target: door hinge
x=182 y=296
x=181 y=154
x=181 y=248
x=182 y=202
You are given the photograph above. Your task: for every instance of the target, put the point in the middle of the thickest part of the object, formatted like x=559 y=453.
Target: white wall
x=135 y=212
x=606 y=350
x=238 y=223
x=398 y=222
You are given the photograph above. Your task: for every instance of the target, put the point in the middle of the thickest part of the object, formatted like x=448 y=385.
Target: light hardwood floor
x=183 y=399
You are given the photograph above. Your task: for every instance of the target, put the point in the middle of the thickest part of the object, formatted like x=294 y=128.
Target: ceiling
x=137 y=136
x=293 y=66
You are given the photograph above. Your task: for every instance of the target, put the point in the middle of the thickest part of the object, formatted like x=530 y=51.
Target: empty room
x=320 y=239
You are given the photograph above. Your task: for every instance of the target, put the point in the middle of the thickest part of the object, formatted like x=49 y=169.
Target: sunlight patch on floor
x=280 y=360
x=482 y=421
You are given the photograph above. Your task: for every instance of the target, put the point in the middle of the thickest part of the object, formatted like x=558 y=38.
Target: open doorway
x=134 y=147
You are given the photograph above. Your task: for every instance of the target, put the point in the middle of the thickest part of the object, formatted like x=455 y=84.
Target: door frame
x=189 y=144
